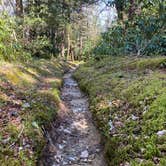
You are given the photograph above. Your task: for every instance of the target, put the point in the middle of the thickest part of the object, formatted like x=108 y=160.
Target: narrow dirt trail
x=74 y=140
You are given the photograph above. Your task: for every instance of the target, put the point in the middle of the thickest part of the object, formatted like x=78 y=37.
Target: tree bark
x=62 y=50
x=53 y=40
x=19 y=8
x=68 y=45
x=81 y=46
x=119 y=7
x=132 y=9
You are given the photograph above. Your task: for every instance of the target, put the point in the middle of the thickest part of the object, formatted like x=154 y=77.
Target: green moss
x=139 y=84
x=35 y=87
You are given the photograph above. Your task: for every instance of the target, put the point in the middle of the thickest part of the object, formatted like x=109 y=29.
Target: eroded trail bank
x=75 y=140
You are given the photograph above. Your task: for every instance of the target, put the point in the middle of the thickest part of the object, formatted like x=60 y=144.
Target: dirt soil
x=74 y=140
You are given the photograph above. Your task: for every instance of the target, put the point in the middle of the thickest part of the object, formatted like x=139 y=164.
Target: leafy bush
x=39 y=47
x=11 y=48
x=142 y=36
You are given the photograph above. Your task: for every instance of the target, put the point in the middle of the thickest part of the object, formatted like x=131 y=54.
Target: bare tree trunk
x=19 y=8
x=132 y=9
x=120 y=7
x=63 y=44
x=72 y=55
x=52 y=30
x=62 y=50
x=68 y=45
x=81 y=46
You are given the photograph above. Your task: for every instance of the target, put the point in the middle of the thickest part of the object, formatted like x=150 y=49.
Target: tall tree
x=132 y=8
x=19 y=8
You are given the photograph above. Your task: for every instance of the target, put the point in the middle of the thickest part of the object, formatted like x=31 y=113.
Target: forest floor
x=127 y=97
x=29 y=101
x=126 y=100
x=37 y=116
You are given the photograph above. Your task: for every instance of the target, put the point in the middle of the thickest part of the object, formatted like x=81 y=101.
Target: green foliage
x=143 y=35
x=11 y=48
x=35 y=88
x=40 y=47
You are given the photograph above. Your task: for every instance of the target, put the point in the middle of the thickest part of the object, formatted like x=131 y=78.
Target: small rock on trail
x=74 y=141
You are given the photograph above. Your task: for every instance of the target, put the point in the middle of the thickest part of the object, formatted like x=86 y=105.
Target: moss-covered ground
x=128 y=100
x=29 y=98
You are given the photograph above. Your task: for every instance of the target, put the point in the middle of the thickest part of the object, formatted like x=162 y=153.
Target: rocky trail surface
x=73 y=140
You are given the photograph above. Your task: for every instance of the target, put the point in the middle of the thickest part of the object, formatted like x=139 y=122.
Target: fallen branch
x=19 y=135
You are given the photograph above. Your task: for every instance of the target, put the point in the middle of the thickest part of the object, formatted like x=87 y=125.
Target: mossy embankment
x=128 y=101
x=29 y=98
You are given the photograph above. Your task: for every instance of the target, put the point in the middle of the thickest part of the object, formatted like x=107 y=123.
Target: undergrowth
x=128 y=101
x=29 y=98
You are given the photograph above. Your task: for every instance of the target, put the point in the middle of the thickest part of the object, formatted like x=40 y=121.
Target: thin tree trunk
x=68 y=45
x=62 y=50
x=53 y=40
x=81 y=46
x=132 y=9
x=19 y=8
x=72 y=55
x=119 y=6
x=63 y=44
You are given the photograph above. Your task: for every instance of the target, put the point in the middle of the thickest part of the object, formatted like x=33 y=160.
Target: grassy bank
x=29 y=97
x=128 y=101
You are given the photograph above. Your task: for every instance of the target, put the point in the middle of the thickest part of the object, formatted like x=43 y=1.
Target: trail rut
x=74 y=140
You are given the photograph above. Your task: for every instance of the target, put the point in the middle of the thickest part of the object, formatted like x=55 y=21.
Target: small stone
x=72 y=158
x=14 y=113
x=27 y=146
x=67 y=131
x=119 y=124
x=133 y=117
x=116 y=117
x=34 y=124
x=110 y=103
x=64 y=141
x=61 y=146
x=127 y=164
x=139 y=160
x=84 y=154
x=77 y=110
x=26 y=105
x=65 y=163
x=5 y=141
x=156 y=160
x=91 y=157
x=161 y=133
x=58 y=158
x=111 y=125
x=89 y=160
x=61 y=128
x=97 y=150
x=84 y=160
x=145 y=110
x=143 y=150
x=141 y=102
